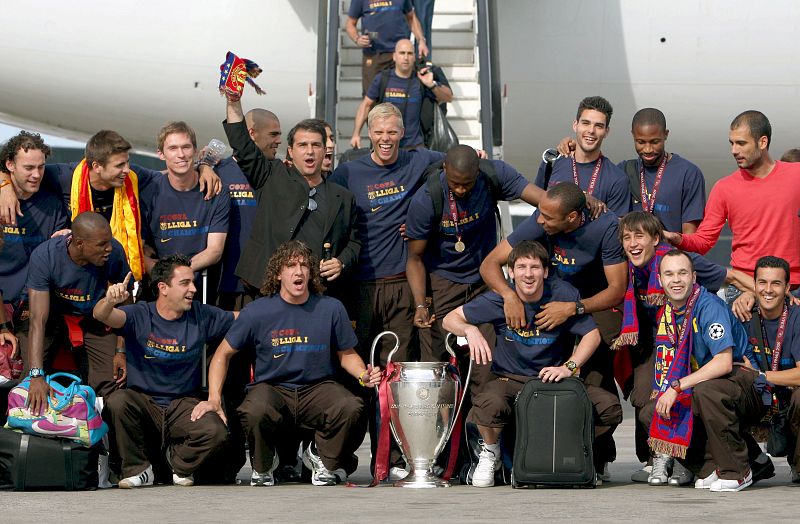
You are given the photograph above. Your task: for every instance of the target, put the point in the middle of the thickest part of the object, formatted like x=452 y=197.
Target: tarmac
x=619 y=500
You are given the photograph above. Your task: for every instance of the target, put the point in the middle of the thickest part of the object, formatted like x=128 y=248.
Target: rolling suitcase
x=554 y=435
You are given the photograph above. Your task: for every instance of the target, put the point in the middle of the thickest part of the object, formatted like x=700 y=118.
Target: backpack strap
x=631 y=168
x=382 y=85
x=435 y=188
x=762 y=361
x=548 y=172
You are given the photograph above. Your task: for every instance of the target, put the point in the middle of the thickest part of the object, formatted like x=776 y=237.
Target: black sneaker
x=762 y=468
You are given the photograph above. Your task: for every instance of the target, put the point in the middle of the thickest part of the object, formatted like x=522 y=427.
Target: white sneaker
x=320 y=475
x=265 y=479
x=605 y=476
x=706 y=482
x=145 y=478
x=642 y=475
x=732 y=485
x=662 y=465
x=488 y=463
x=182 y=481
x=396 y=473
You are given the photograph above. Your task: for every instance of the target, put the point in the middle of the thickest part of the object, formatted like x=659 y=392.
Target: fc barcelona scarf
x=234 y=72
x=125 y=215
x=673 y=362
x=629 y=336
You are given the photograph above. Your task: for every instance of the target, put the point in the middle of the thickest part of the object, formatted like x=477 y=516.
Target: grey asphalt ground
x=773 y=500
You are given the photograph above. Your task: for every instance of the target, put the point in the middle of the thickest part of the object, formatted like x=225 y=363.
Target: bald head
x=403 y=57
x=265 y=130
x=89 y=224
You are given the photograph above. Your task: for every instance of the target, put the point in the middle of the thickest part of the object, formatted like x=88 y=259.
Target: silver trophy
x=423 y=407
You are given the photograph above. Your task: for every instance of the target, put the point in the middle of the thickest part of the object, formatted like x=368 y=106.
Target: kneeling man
x=296 y=332
x=164 y=341
x=527 y=352
x=703 y=397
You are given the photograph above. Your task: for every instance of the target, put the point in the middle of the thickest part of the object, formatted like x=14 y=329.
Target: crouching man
x=703 y=397
x=528 y=352
x=164 y=341
x=296 y=331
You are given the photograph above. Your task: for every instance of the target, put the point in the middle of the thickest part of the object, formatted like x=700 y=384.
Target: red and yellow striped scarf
x=125 y=216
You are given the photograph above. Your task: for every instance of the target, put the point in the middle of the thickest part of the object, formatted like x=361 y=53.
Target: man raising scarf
x=642 y=237
x=703 y=397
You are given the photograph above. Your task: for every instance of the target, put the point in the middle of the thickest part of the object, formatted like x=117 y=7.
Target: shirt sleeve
x=528 y=229
x=345 y=337
x=254 y=165
x=611 y=249
x=39 y=269
x=581 y=325
x=221 y=210
x=439 y=76
x=539 y=180
x=485 y=308
x=512 y=182
x=356 y=9
x=707 y=234
x=713 y=324
x=709 y=275
x=118 y=265
x=693 y=196
x=420 y=221
x=145 y=176
x=339 y=175
x=241 y=334
x=619 y=197
x=215 y=321
x=792 y=337
x=135 y=315
x=373 y=91
x=408 y=6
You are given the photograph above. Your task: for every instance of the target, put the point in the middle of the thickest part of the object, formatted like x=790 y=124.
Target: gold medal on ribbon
x=460 y=247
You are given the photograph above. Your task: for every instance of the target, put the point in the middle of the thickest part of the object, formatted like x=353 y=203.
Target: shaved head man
x=265 y=131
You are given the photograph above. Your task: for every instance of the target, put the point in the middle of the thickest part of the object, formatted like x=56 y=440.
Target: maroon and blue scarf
x=629 y=336
x=673 y=362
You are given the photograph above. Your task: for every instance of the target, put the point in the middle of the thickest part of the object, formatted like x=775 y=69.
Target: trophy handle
x=466 y=381
x=375 y=344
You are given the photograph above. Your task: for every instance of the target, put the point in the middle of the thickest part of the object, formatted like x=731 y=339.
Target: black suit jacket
x=282 y=195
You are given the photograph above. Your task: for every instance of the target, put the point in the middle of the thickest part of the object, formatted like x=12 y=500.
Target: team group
x=306 y=265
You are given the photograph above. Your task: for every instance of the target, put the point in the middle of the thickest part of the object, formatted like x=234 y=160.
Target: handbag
x=70 y=413
x=443 y=136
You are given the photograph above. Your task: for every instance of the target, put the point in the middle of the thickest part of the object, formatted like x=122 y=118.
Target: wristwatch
x=580 y=309
x=676 y=385
x=37 y=372
x=571 y=366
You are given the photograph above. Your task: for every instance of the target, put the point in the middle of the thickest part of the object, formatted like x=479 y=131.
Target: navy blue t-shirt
x=527 y=350
x=74 y=289
x=386 y=17
x=164 y=357
x=714 y=329
x=240 y=221
x=476 y=224
x=43 y=215
x=578 y=256
x=383 y=194
x=180 y=221
x=295 y=343
x=681 y=195
x=790 y=351
x=612 y=186
x=58 y=178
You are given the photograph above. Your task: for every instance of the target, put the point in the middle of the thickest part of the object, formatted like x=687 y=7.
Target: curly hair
x=25 y=141
x=286 y=253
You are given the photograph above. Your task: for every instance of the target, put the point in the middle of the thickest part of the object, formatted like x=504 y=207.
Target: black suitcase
x=554 y=435
x=29 y=463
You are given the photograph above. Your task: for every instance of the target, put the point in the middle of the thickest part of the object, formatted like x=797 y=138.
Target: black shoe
x=762 y=470
x=286 y=473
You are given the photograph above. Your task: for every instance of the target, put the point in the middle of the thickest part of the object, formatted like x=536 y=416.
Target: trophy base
x=425 y=480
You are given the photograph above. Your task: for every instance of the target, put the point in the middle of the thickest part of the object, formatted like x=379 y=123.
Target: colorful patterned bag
x=70 y=414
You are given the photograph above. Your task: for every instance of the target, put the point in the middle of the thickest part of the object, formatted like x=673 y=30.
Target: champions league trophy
x=422 y=404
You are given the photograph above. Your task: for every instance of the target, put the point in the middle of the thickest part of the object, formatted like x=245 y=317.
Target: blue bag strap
x=67 y=393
